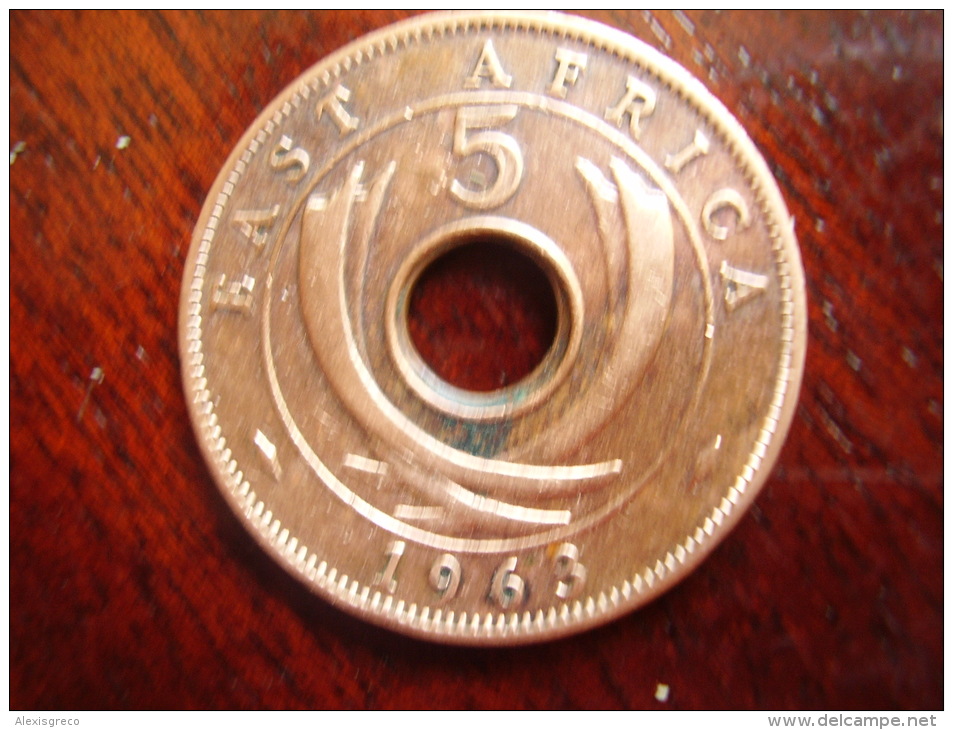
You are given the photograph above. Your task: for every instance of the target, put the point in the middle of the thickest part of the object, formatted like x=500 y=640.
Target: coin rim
x=502 y=628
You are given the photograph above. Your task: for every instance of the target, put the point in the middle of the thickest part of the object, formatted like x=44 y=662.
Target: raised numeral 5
x=501 y=147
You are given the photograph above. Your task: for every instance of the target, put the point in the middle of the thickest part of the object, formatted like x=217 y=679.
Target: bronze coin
x=493 y=515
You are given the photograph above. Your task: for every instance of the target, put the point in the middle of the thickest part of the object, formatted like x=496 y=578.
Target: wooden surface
x=131 y=584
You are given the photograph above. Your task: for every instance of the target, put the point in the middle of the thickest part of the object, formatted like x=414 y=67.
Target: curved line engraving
x=441 y=488
x=640 y=244
x=573 y=114
x=324 y=234
x=681 y=211
x=514 y=512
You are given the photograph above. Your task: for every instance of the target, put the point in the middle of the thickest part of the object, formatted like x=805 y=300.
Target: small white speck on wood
x=17 y=149
x=744 y=56
x=662 y=692
x=123 y=142
x=95 y=378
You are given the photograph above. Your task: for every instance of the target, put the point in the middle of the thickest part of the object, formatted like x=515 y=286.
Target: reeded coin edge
x=497 y=627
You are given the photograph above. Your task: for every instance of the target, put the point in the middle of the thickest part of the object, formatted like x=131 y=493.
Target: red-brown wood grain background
x=133 y=586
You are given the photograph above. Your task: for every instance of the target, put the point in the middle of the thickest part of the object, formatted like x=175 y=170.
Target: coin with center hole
x=611 y=450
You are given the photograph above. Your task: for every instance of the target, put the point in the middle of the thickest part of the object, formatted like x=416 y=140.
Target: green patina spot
x=480 y=439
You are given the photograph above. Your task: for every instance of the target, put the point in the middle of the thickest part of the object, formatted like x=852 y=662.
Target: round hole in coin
x=483 y=315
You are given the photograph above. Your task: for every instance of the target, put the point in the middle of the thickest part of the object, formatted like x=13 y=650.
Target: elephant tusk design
x=326 y=231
